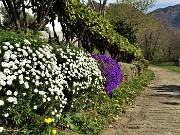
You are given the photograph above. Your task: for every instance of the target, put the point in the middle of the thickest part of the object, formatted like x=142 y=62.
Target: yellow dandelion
x=116 y=101
x=54 y=131
x=48 y=120
x=95 y=119
x=117 y=105
x=103 y=92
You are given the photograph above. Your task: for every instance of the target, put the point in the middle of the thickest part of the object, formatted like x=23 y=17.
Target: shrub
x=141 y=65
x=129 y=71
x=94 y=32
x=110 y=70
x=38 y=81
x=30 y=83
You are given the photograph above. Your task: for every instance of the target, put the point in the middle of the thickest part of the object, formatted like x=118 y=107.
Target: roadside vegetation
x=102 y=109
x=48 y=89
x=48 y=86
x=172 y=66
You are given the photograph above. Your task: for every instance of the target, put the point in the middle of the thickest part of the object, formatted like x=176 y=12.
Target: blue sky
x=165 y=3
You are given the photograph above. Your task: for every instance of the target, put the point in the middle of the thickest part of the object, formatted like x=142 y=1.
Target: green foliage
x=136 y=19
x=134 y=23
x=13 y=37
x=125 y=30
x=93 y=31
x=142 y=5
x=6 y=20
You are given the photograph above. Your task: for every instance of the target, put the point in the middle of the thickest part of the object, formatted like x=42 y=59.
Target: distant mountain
x=169 y=15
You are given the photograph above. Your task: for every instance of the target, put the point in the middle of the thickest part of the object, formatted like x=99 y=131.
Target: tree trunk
x=8 y=4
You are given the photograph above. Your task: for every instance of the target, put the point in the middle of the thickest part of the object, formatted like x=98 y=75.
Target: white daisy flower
x=36 y=90
x=35 y=107
x=15 y=93
x=1 y=102
x=6 y=115
x=26 y=85
x=17 y=45
x=27 y=42
x=1 y=129
x=8 y=92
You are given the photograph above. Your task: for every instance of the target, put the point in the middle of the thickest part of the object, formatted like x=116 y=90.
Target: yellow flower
x=95 y=119
x=54 y=131
x=48 y=120
x=103 y=92
x=117 y=105
x=116 y=101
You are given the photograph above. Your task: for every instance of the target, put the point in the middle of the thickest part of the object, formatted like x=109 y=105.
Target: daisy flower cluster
x=44 y=80
x=31 y=75
x=81 y=72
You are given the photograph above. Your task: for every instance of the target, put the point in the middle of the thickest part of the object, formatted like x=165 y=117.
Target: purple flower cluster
x=111 y=70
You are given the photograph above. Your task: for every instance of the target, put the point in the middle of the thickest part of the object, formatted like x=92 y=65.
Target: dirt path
x=156 y=111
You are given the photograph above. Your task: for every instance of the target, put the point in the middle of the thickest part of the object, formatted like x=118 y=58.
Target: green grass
x=168 y=65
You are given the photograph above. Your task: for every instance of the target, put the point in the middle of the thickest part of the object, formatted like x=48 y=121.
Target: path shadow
x=171 y=103
x=162 y=91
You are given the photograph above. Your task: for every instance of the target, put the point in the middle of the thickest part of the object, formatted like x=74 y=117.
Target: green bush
x=93 y=31
x=125 y=30
x=130 y=71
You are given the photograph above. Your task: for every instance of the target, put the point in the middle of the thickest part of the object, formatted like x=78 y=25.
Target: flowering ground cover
x=103 y=109
x=39 y=81
x=50 y=89
x=110 y=70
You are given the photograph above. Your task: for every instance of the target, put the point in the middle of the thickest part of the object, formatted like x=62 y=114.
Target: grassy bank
x=102 y=110
x=168 y=65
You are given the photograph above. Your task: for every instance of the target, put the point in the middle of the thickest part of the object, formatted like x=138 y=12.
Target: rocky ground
x=155 y=112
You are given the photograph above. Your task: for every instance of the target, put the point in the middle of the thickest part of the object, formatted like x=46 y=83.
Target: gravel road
x=155 y=112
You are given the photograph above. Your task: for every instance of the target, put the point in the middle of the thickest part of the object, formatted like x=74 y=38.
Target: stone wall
x=130 y=71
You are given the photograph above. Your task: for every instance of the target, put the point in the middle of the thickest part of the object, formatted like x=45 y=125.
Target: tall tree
x=142 y=5
x=16 y=10
x=6 y=20
x=133 y=24
x=136 y=19
x=99 y=7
